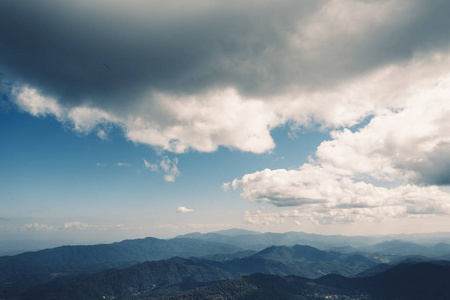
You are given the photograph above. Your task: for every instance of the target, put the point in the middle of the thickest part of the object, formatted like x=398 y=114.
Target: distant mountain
x=258 y=241
x=44 y=265
x=410 y=260
x=344 y=249
x=149 y=279
x=406 y=281
x=299 y=260
x=180 y=278
x=236 y=231
x=403 y=248
x=297 y=252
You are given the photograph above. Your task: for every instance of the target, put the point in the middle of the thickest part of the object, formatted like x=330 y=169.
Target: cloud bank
x=183 y=76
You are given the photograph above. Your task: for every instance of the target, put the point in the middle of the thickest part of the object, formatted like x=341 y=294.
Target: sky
x=143 y=118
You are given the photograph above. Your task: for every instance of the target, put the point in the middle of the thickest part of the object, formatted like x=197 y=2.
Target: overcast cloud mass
x=195 y=75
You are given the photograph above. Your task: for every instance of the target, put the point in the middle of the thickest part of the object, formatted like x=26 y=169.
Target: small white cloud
x=226 y=186
x=120 y=164
x=100 y=165
x=183 y=210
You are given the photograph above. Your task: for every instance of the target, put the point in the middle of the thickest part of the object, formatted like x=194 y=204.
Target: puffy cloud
x=412 y=143
x=121 y=164
x=32 y=102
x=325 y=197
x=226 y=186
x=183 y=210
x=85 y=119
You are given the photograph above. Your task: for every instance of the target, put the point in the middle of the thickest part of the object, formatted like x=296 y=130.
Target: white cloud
x=122 y=164
x=412 y=143
x=226 y=186
x=204 y=122
x=183 y=210
x=32 y=102
x=326 y=197
x=85 y=119
x=221 y=117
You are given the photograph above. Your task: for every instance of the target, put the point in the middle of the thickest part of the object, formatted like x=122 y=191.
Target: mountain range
x=185 y=265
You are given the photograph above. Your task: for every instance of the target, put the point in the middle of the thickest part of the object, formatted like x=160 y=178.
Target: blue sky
x=123 y=120
x=52 y=175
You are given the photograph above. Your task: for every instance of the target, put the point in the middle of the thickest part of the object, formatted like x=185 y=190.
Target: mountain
x=236 y=231
x=296 y=252
x=230 y=256
x=404 y=281
x=396 y=247
x=298 y=260
x=403 y=248
x=44 y=265
x=258 y=241
x=149 y=279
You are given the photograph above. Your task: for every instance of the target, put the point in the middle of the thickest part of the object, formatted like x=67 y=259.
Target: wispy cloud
x=170 y=168
x=37 y=227
x=123 y=164
x=166 y=165
x=152 y=167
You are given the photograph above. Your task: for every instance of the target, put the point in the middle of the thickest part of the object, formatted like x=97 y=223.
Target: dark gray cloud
x=99 y=51
x=435 y=169
x=107 y=52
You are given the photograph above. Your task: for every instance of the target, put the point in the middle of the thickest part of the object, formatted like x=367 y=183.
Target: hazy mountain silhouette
x=149 y=279
x=299 y=260
x=405 y=281
x=44 y=265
